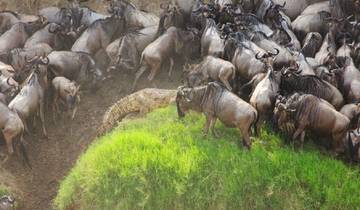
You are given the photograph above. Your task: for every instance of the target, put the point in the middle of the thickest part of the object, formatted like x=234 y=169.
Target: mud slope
x=52 y=159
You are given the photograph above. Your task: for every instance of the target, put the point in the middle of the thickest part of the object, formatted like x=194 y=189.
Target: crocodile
x=141 y=102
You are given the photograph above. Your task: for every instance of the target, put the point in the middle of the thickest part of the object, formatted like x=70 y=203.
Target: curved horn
x=45 y=60
x=32 y=59
x=8 y=82
x=53 y=29
x=257 y=56
x=277 y=51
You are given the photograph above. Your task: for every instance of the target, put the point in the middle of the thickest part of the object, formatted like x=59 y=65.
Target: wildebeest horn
x=257 y=56
x=8 y=82
x=32 y=59
x=277 y=51
x=45 y=60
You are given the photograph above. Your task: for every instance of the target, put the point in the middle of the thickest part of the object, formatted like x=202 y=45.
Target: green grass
x=162 y=162
x=3 y=191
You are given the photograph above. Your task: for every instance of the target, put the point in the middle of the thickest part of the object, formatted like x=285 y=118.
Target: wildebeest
x=76 y=66
x=284 y=57
x=31 y=99
x=211 y=41
x=7 y=20
x=352 y=111
x=218 y=103
x=99 y=35
x=126 y=52
x=309 y=112
x=305 y=24
x=350 y=81
x=17 y=35
x=12 y=130
x=9 y=87
x=18 y=57
x=65 y=92
x=264 y=95
x=211 y=69
x=135 y=19
x=52 y=34
x=311 y=44
x=166 y=47
x=292 y=82
x=60 y=16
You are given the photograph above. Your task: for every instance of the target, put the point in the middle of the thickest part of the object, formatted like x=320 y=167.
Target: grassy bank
x=161 y=162
x=3 y=191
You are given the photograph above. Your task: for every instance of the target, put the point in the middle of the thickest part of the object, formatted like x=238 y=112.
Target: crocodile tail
x=113 y=116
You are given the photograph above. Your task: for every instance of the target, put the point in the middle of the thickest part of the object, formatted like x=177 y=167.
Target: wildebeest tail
x=256 y=120
x=24 y=152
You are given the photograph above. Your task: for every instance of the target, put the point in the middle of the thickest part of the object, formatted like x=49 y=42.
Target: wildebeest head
x=188 y=42
x=72 y=96
x=39 y=66
x=7 y=203
x=189 y=98
x=8 y=86
x=34 y=26
x=194 y=76
x=353 y=141
x=120 y=7
x=93 y=74
x=268 y=58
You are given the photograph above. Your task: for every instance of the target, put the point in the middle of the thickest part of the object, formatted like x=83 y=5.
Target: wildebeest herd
x=246 y=62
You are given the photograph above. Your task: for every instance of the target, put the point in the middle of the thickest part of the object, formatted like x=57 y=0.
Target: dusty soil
x=52 y=158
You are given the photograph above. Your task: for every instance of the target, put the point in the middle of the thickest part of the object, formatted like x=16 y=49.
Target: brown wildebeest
x=309 y=112
x=218 y=103
x=166 y=47
x=31 y=99
x=66 y=92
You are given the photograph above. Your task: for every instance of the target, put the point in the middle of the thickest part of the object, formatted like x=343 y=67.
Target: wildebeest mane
x=11 y=12
x=306 y=107
x=308 y=84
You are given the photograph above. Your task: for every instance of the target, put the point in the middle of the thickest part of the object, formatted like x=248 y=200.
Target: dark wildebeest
x=352 y=111
x=292 y=82
x=264 y=95
x=66 y=92
x=31 y=99
x=12 y=129
x=218 y=103
x=7 y=20
x=211 y=41
x=60 y=16
x=211 y=69
x=171 y=15
x=350 y=81
x=284 y=58
x=135 y=19
x=309 y=112
x=311 y=44
x=241 y=52
x=8 y=87
x=126 y=52
x=99 y=35
x=76 y=66
x=17 y=35
x=166 y=47
x=54 y=35
x=305 y=24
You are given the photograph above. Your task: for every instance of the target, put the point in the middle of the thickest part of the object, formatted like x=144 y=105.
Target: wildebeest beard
x=306 y=107
x=307 y=84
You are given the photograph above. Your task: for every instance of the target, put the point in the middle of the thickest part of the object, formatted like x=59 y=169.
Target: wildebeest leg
x=246 y=137
x=224 y=78
x=259 y=124
x=171 y=67
x=207 y=125
x=42 y=117
x=212 y=126
x=137 y=76
x=55 y=107
x=302 y=139
x=155 y=67
x=298 y=131
x=8 y=136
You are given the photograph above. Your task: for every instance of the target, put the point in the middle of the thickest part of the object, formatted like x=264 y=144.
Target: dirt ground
x=52 y=158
